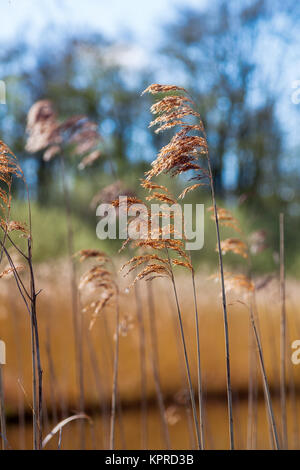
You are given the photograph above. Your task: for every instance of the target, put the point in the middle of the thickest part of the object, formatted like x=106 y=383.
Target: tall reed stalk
x=52 y=377
x=29 y=296
x=191 y=390
x=252 y=392
x=155 y=365
x=181 y=361
x=282 y=336
x=77 y=327
x=200 y=390
x=265 y=381
x=118 y=404
x=21 y=404
x=224 y=304
x=100 y=279
x=115 y=382
x=36 y=347
x=10 y=168
x=143 y=374
x=181 y=155
x=100 y=389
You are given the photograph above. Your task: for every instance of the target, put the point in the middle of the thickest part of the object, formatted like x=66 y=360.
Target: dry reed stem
x=52 y=377
x=100 y=388
x=271 y=415
x=200 y=388
x=115 y=381
x=282 y=337
x=74 y=297
x=225 y=315
x=179 y=156
x=274 y=362
x=265 y=382
x=192 y=396
x=9 y=167
x=63 y=423
x=252 y=393
x=142 y=351
x=155 y=364
x=21 y=404
x=187 y=405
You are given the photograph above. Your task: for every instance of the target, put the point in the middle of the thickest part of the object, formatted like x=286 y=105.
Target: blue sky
x=30 y=20
x=135 y=22
x=142 y=17
x=138 y=23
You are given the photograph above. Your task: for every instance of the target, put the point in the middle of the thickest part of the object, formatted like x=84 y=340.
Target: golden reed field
x=159 y=355
x=149 y=256
x=59 y=364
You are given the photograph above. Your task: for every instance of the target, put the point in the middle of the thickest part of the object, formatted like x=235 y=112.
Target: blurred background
x=240 y=63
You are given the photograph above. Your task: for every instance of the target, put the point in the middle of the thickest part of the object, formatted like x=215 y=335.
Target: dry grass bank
x=57 y=343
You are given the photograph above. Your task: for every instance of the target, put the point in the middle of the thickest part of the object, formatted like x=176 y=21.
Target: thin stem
x=13 y=244
x=257 y=323
x=37 y=346
x=34 y=387
x=200 y=391
x=107 y=334
x=265 y=381
x=225 y=315
x=99 y=386
x=192 y=396
x=52 y=377
x=139 y=312
x=18 y=347
x=252 y=393
x=75 y=313
x=283 y=337
x=155 y=365
x=19 y=282
x=115 y=381
x=183 y=375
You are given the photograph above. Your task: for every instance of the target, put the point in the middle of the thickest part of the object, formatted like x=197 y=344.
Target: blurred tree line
x=213 y=53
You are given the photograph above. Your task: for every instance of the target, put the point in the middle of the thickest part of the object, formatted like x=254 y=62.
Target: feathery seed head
x=156 y=88
x=46 y=134
x=234 y=245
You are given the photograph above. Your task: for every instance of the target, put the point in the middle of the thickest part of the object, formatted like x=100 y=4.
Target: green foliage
x=214 y=54
x=50 y=228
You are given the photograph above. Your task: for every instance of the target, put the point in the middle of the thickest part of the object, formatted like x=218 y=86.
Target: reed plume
x=99 y=280
x=188 y=151
x=110 y=193
x=171 y=253
x=9 y=168
x=45 y=133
